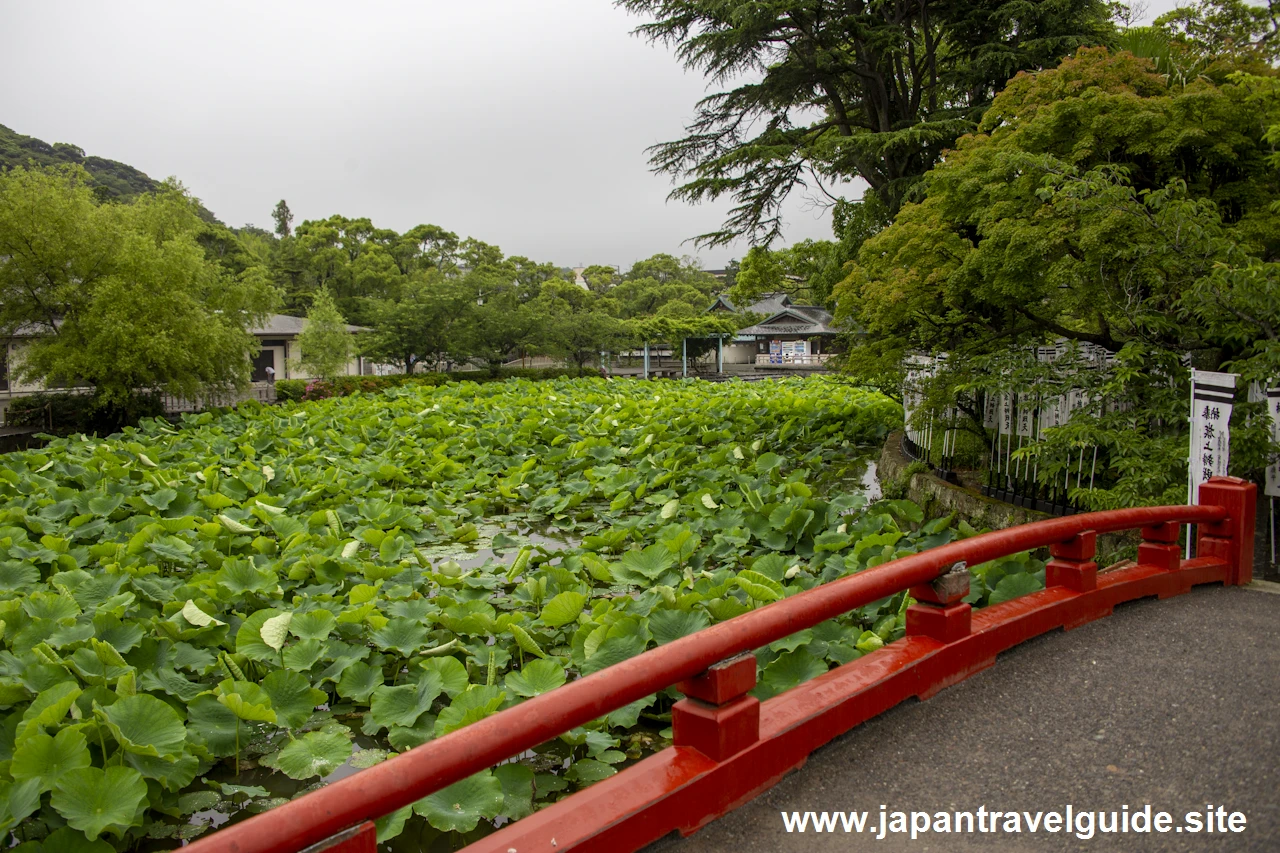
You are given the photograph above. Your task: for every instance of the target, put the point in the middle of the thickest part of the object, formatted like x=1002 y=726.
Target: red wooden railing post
x=939 y=613
x=718 y=717
x=1072 y=564
x=1159 y=546
x=1232 y=538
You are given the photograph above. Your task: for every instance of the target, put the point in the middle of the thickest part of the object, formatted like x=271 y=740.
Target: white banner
x=991 y=411
x=1026 y=412
x=1273 y=470
x=1212 y=398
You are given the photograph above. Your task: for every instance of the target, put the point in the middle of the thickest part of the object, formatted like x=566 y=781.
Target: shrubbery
x=64 y=414
x=288 y=390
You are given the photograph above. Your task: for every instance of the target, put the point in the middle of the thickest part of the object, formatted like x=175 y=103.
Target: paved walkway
x=1175 y=703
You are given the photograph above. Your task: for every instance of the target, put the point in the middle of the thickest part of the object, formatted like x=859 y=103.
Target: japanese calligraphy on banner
x=1026 y=412
x=1273 y=470
x=1212 y=397
x=990 y=411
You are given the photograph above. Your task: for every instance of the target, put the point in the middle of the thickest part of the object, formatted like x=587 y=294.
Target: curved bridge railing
x=728 y=746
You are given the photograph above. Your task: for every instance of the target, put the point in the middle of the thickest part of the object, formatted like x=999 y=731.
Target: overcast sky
x=517 y=122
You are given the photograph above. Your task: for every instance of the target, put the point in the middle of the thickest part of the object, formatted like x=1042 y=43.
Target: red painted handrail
x=408 y=777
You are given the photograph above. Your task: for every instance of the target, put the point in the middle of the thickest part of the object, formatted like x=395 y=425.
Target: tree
x=499 y=325
x=600 y=279
x=892 y=85
x=1232 y=31
x=283 y=218
x=577 y=328
x=424 y=326
x=325 y=343
x=122 y=296
x=1098 y=205
x=807 y=272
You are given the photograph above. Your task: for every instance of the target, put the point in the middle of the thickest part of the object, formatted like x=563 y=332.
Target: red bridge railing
x=728 y=746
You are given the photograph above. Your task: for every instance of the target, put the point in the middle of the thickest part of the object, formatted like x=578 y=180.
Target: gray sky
x=516 y=122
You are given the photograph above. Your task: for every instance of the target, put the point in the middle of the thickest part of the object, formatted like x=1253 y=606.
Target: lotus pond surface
x=203 y=620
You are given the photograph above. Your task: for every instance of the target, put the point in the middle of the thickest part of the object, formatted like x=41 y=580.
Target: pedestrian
x=271 y=374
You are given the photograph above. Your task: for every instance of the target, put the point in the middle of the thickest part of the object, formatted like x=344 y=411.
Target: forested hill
x=113 y=180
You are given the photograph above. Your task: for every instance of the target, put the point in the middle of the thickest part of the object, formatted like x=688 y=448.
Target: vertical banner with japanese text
x=1212 y=398
x=1273 y=470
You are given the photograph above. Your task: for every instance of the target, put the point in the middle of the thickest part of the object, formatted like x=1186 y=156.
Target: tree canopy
x=1100 y=203
x=325 y=343
x=819 y=92
x=123 y=297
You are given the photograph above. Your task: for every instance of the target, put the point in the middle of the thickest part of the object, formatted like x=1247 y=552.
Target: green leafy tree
x=283 y=218
x=600 y=279
x=1101 y=206
x=577 y=327
x=499 y=324
x=325 y=343
x=424 y=326
x=883 y=89
x=122 y=296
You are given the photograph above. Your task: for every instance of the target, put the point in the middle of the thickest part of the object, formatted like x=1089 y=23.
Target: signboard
x=1026 y=411
x=1273 y=470
x=1212 y=398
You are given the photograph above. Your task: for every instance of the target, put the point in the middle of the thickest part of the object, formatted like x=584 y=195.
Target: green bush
x=288 y=390
x=64 y=414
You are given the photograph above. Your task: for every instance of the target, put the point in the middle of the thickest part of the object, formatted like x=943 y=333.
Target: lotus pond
x=201 y=621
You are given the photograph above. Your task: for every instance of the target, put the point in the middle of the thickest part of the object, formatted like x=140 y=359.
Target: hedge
x=71 y=413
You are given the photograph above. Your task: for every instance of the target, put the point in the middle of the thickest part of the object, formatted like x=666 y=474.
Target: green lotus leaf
x=214 y=725
x=791 y=669
x=174 y=774
x=459 y=807
x=17 y=577
x=363 y=759
x=313 y=625
x=525 y=641
x=301 y=656
x=538 y=677
x=648 y=564
x=1015 y=585
x=198 y=801
x=198 y=617
x=403 y=705
x=668 y=625
x=122 y=636
x=47 y=709
x=470 y=706
x=249 y=640
x=242 y=578
x=517 y=789
x=100 y=663
x=453 y=675
x=146 y=725
x=588 y=770
x=247 y=701
x=402 y=635
x=390 y=826
x=766 y=462
x=95 y=801
x=104 y=505
x=359 y=680
x=760 y=587
x=563 y=609
x=275 y=631
x=292 y=697
x=312 y=754
x=45 y=759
